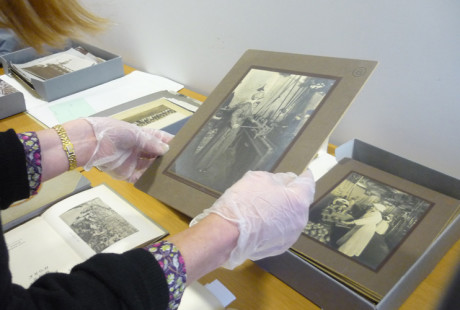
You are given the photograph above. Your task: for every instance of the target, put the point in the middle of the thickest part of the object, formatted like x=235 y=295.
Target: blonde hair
x=50 y=22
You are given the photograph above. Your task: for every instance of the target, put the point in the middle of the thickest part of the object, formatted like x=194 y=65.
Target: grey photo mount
x=326 y=291
x=70 y=83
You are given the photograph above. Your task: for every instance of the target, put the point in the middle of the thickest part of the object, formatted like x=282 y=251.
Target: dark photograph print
x=251 y=128
x=365 y=220
x=97 y=224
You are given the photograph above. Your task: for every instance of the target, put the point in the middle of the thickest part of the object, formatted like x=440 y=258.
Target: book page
x=50 y=192
x=36 y=249
x=99 y=220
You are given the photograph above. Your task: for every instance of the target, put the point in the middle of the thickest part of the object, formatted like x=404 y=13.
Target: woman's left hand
x=125 y=150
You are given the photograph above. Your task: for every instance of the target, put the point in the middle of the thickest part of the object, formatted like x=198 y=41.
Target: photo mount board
x=396 y=221
x=303 y=95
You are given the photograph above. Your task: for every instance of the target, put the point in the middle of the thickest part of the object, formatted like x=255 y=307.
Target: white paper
x=198 y=297
x=221 y=292
x=321 y=165
x=33 y=238
x=93 y=100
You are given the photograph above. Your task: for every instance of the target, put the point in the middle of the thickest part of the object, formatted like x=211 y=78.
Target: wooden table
x=253 y=287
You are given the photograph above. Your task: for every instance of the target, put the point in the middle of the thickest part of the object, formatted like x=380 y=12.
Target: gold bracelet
x=67 y=146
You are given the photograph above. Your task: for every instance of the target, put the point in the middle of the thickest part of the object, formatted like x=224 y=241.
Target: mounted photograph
x=368 y=227
x=273 y=112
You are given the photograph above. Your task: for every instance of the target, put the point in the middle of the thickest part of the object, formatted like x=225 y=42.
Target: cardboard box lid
x=399 y=166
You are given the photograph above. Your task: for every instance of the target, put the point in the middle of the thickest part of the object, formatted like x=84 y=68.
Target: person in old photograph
x=218 y=152
x=365 y=219
x=356 y=240
x=251 y=129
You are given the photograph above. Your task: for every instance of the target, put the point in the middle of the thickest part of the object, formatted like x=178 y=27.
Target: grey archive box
x=70 y=83
x=327 y=292
x=11 y=104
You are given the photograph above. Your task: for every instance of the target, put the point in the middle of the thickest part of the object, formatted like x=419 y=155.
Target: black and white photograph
x=157 y=114
x=364 y=219
x=151 y=116
x=252 y=128
x=272 y=111
x=97 y=224
x=55 y=65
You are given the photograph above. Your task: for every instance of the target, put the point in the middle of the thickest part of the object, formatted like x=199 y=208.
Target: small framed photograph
x=156 y=114
x=272 y=112
x=166 y=110
x=368 y=227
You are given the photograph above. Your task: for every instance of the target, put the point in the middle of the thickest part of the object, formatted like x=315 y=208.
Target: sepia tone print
x=252 y=128
x=364 y=219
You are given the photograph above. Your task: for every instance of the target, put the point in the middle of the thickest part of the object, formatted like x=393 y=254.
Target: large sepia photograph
x=272 y=112
x=252 y=128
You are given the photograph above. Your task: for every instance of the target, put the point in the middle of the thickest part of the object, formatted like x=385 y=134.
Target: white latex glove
x=271 y=210
x=125 y=150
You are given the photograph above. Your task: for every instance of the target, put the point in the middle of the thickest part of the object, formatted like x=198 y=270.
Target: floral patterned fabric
x=33 y=159
x=170 y=259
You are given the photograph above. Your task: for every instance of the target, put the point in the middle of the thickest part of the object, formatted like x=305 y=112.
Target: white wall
x=410 y=105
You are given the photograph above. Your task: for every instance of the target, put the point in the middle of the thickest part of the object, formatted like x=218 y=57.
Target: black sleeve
x=14 y=184
x=133 y=280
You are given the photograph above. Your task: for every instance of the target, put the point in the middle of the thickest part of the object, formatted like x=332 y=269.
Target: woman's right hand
x=270 y=210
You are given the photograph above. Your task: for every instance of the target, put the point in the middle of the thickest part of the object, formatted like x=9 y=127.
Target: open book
x=51 y=192
x=93 y=221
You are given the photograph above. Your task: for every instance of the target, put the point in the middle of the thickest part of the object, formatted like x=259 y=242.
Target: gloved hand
x=270 y=210
x=125 y=150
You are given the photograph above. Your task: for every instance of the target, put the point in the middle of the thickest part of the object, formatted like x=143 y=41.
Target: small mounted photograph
x=156 y=114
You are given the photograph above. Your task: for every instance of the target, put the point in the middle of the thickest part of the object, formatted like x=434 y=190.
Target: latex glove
x=125 y=150
x=271 y=211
